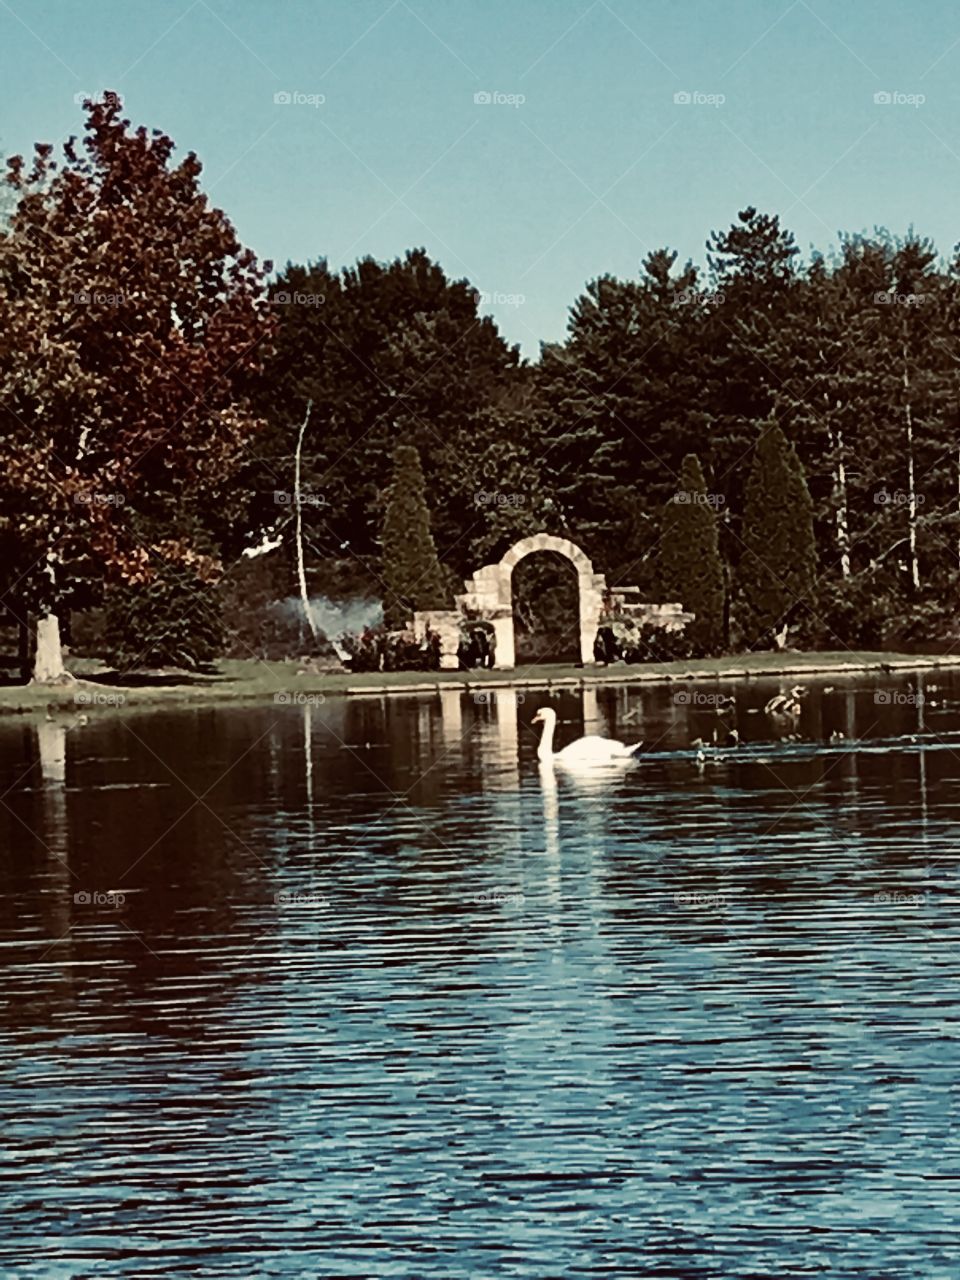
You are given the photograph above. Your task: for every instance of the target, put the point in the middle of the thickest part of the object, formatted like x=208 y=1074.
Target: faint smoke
x=336 y=618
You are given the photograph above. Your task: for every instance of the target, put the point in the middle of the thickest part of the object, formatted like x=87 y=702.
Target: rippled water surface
x=358 y=990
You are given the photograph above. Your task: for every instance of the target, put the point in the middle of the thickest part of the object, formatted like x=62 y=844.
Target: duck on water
x=787 y=704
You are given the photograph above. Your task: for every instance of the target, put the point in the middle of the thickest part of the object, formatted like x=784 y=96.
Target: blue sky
x=598 y=163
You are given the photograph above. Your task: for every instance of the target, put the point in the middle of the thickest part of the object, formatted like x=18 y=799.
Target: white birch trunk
x=911 y=481
x=840 y=499
x=843 y=511
x=301 y=571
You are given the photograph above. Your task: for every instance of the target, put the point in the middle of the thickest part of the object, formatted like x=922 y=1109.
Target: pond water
x=357 y=990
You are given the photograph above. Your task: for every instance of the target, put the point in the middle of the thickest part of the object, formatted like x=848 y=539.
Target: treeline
x=854 y=357
x=154 y=377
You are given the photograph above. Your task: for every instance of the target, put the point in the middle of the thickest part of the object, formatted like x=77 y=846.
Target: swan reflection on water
x=589 y=766
x=551 y=811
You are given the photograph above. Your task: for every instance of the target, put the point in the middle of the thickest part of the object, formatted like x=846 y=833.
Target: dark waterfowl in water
x=786 y=704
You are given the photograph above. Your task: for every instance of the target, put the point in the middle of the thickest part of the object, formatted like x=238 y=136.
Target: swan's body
x=585 y=753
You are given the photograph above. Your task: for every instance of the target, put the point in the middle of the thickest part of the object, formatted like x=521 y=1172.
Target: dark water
x=372 y=997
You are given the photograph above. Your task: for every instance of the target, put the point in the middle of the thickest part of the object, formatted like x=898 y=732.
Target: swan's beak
x=538 y=718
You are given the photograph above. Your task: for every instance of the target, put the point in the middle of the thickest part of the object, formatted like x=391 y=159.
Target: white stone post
x=505 y=654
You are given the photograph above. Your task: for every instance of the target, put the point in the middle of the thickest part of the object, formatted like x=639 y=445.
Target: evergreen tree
x=820 y=396
x=412 y=575
x=619 y=405
x=778 y=564
x=388 y=353
x=690 y=568
x=743 y=343
x=512 y=497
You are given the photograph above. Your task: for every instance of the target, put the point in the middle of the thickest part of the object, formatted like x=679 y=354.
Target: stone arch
x=547 y=542
x=489 y=593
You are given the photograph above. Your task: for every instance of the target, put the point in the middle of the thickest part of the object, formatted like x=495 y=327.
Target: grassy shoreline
x=251 y=682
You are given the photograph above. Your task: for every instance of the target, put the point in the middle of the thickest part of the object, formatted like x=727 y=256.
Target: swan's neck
x=545 y=749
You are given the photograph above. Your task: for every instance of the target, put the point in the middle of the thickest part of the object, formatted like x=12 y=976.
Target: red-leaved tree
x=131 y=318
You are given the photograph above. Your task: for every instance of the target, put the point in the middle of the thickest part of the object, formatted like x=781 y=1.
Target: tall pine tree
x=779 y=561
x=412 y=575
x=619 y=403
x=690 y=568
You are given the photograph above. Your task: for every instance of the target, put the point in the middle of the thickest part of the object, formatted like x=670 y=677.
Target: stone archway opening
x=545 y=602
x=489 y=594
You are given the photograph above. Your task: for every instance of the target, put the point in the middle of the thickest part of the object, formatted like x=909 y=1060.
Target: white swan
x=585 y=752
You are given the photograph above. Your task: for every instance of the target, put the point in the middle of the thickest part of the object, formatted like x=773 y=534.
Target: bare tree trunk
x=301 y=571
x=843 y=510
x=839 y=485
x=911 y=479
x=840 y=499
x=48 y=665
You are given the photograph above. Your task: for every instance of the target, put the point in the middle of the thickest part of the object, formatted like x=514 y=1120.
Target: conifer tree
x=753 y=277
x=389 y=353
x=619 y=402
x=690 y=568
x=778 y=566
x=412 y=574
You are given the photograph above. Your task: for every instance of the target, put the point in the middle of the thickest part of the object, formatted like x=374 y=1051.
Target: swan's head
x=546 y=715
x=798 y=691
